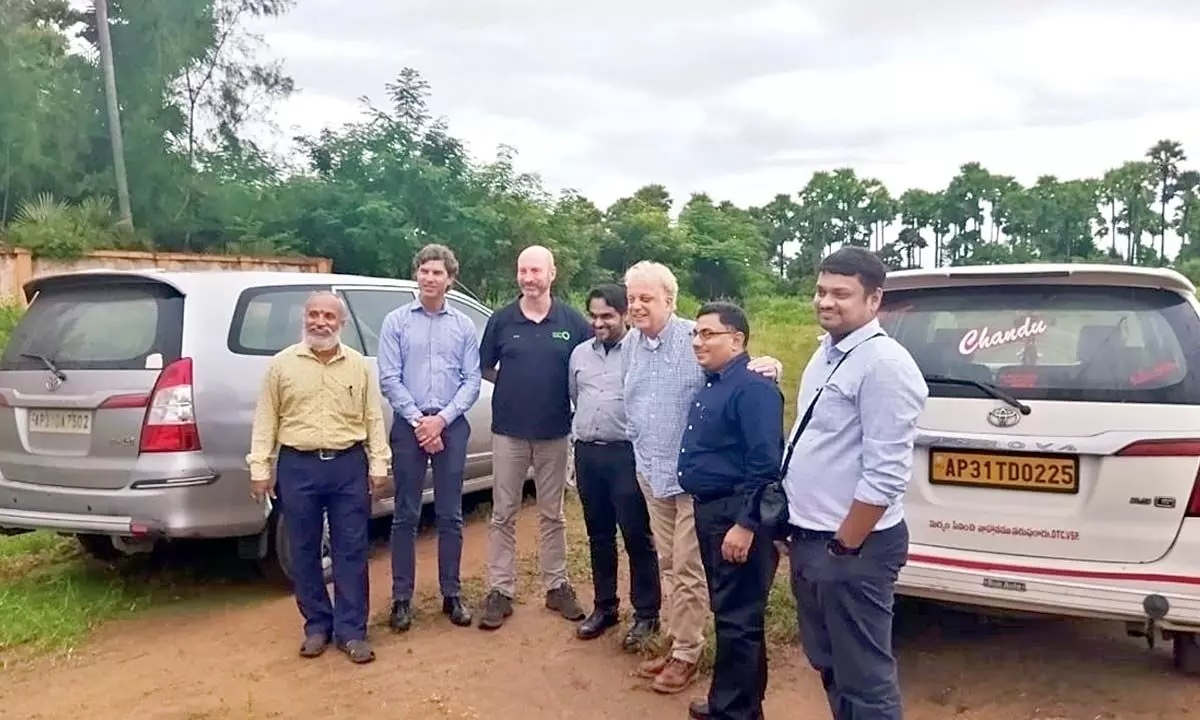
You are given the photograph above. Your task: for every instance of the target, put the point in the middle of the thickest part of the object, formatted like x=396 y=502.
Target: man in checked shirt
x=662 y=378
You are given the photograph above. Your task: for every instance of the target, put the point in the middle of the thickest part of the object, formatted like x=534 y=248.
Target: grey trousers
x=511 y=459
x=845 y=606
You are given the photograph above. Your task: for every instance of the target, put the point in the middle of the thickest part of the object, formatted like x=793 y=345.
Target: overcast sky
x=746 y=98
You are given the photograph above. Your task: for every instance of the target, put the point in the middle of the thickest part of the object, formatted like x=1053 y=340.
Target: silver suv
x=126 y=400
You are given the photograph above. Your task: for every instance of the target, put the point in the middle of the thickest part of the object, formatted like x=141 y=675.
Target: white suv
x=1057 y=458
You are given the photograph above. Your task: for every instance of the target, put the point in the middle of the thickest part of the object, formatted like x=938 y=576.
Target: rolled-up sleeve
x=890 y=401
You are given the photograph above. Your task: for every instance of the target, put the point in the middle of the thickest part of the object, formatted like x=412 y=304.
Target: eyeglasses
x=705 y=334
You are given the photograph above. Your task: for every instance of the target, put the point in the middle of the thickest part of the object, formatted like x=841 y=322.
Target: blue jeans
x=845 y=606
x=409 y=465
x=308 y=489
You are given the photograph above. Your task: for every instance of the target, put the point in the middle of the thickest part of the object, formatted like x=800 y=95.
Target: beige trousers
x=684 y=588
x=511 y=458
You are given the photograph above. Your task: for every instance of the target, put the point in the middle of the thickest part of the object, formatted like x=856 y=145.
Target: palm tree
x=1165 y=156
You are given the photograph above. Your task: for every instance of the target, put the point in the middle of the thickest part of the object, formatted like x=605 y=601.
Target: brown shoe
x=675 y=677
x=651 y=668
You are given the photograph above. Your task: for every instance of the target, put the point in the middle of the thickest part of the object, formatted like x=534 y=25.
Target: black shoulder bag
x=772 y=500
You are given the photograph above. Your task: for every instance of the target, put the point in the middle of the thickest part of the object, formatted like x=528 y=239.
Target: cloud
x=746 y=99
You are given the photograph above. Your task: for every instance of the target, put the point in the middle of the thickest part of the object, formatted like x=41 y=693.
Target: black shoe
x=458 y=613
x=496 y=607
x=595 y=625
x=698 y=710
x=642 y=630
x=400 y=618
x=563 y=601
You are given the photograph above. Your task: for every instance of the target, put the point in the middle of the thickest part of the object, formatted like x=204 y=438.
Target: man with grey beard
x=319 y=407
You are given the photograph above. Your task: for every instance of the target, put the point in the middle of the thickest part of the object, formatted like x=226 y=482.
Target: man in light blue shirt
x=429 y=372
x=845 y=479
x=662 y=378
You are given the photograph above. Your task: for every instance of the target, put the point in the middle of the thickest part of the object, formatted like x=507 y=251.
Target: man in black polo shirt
x=732 y=447
x=530 y=340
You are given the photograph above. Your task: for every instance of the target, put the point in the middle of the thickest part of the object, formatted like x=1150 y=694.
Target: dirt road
x=240 y=662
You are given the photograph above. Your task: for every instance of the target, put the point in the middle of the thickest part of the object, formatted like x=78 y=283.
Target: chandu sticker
x=984 y=337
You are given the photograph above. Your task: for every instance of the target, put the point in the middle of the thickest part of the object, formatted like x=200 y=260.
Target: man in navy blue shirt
x=732 y=447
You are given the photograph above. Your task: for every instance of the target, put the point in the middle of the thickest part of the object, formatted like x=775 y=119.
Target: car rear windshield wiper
x=48 y=363
x=986 y=387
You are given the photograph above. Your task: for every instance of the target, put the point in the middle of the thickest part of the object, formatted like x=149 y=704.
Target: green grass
x=52 y=596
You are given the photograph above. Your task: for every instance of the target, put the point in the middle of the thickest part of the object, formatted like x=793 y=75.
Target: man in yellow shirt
x=319 y=420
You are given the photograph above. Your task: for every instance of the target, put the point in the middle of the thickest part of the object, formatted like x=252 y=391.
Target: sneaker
x=563 y=601
x=496 y=607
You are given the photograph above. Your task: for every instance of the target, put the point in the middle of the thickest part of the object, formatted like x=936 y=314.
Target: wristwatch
x=838 y=549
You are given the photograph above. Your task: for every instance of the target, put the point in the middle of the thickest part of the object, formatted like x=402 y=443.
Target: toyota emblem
x=1004 y=416
x=53 y=383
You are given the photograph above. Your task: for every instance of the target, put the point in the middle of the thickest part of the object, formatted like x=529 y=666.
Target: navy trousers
x=409 y=466
x=308 y=490
x=845 y=606
x=737 y=594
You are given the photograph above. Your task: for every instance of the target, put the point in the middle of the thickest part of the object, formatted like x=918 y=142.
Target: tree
x=369 y=193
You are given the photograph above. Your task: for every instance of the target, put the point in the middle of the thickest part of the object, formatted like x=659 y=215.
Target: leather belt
x=323 y=454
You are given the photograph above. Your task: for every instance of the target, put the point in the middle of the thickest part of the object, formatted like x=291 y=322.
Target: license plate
x=63 y=422
x=1005 y=471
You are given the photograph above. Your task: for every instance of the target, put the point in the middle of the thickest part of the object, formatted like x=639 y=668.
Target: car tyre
x=1186 y=653
x=277 y=565
x=99 y=548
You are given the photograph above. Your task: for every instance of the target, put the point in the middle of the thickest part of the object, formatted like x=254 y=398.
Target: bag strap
x=808 y=413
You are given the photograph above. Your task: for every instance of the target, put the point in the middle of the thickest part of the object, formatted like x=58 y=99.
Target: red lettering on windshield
x=1159 y=371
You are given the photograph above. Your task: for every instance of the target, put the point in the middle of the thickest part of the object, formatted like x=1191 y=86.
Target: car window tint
x=269 y=320
x=477 y=316
x=370 y=307
x=101 y=326
x=1068 y=342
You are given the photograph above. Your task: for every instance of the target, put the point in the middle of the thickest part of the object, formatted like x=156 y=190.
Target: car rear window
x=98 y=326
x=1052 y=342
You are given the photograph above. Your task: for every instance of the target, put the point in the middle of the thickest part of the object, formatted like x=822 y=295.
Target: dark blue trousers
x=409 y=466
x=845 y=606
x=737 y=594
x=309 y=489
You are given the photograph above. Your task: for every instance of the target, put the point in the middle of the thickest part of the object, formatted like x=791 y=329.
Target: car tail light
x=170 y=422
x=130 y=401
x=1171 y=447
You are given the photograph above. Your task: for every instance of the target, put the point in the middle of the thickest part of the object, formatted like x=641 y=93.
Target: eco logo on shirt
x=561 y=335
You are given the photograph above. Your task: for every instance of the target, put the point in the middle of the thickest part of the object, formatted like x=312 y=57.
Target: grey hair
x=344 y=309
x=654 y=273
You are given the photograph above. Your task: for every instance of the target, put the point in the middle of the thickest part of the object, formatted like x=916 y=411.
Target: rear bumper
x=187 y=506
x=1101 y=592
x=198 y=506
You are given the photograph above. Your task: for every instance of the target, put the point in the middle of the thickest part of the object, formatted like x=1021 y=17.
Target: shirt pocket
x=834 y=410
x=348 y=400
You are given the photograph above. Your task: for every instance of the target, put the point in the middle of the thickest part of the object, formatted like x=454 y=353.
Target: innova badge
x=1004 y=416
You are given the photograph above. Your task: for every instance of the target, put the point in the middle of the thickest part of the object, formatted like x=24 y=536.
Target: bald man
x=525 y=351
